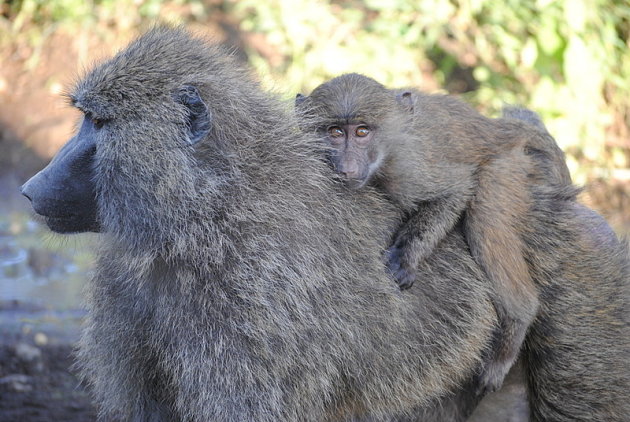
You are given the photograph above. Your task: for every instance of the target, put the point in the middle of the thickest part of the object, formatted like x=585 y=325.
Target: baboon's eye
x=362 y=131
x=98 y=123
x=335 y=131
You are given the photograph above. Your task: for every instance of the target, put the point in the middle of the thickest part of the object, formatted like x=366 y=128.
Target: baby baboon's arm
x=420 y=234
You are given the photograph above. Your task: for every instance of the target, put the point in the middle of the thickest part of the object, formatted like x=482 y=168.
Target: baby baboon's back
x=440 y=160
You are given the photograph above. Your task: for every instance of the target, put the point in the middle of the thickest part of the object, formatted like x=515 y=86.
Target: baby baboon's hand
x=397 y=265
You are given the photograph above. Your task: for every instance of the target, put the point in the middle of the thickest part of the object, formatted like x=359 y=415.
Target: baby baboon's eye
x=362 y=131
x=335 y=131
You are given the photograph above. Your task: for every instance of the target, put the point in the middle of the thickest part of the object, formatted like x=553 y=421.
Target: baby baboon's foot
x=492 y=377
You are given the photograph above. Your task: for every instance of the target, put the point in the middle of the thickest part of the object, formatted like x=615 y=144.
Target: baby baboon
x=576 y=352
x=439 y=160
x=236 y=280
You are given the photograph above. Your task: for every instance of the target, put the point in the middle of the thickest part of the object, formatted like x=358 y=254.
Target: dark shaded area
x=458 y=78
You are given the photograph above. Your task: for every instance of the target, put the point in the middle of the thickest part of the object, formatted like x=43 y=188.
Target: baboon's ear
x=404 y=98
x=299 y=99
x=199 y=117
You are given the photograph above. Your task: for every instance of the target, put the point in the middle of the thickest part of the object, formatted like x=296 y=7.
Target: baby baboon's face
x=353 y=152
x=348 y=113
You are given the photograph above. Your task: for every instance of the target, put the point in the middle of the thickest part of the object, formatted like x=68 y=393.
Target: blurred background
x=569 y=60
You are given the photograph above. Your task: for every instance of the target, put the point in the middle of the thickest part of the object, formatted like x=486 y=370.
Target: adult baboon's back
x=576 y=353
x=577 y=350
x=236 y=279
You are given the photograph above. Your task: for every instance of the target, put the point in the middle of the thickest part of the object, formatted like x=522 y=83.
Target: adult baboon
x=438 y=160
x=236 y=280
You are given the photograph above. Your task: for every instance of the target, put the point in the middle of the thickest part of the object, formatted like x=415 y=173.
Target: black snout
x=64 y=193
x=24 y=191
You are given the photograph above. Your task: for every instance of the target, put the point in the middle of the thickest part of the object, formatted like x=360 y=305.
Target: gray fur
x=236 y=280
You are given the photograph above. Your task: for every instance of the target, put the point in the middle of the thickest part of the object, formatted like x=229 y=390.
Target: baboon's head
x=150 y=142
x=357 y=118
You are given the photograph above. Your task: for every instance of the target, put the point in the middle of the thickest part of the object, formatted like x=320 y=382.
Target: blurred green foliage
x=567 y=59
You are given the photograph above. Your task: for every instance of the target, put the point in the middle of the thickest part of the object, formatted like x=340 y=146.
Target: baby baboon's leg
x=494 y=226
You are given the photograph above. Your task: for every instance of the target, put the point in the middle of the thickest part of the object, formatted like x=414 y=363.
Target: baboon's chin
x=71 y=224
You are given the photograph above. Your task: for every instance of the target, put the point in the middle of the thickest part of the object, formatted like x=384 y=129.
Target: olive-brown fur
x=236 y=280
x=440 y=161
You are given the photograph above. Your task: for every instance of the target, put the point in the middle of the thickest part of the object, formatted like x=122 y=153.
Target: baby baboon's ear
x=199 y=117
x=405 y=99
